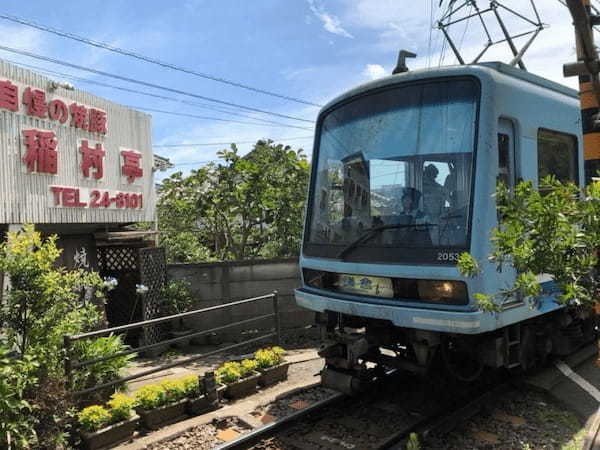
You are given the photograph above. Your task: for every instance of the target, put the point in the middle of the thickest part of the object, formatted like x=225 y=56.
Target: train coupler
x=341 y=382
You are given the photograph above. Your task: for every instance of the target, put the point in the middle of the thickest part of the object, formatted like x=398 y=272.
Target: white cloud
x=374 y=71
x=330 y=22
x=17 y=37
x=396 y=24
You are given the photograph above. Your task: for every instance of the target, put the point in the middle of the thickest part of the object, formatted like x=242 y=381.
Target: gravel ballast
x=522 y=420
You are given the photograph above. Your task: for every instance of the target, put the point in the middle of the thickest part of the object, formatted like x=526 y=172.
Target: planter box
x=110 y=436
x=200 y=405
x=153 y=419
x=273 y=374
x=242 y=388
x=221 y=392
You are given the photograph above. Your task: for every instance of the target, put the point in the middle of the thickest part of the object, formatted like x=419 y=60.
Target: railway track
x=381 y=418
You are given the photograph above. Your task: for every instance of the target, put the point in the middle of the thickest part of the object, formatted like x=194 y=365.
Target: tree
x=45 y=302
x=241 y=208
x=554 y=230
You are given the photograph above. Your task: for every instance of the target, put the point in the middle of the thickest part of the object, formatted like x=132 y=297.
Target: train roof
x=491 y=68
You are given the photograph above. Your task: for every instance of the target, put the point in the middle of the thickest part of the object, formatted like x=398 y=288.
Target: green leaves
x=176 y=297
x=100 y=372
x=554 y=231
x=44 y=303
x=17 y=377
x=467 y=265
x=241 y=208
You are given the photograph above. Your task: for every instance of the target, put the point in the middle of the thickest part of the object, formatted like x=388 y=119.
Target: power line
x=146 y=83
x=430 y=33
x=259 y=121
x=227 y=143
x=135 y=91
x=194 y=163
x=148 y=59
x=175 y=113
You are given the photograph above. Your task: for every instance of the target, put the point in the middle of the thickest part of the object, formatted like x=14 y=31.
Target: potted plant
x=198 y=401
x=160 y=404
x=177 y=299
x=239 y=379
x=101 y=427
x=272 y=366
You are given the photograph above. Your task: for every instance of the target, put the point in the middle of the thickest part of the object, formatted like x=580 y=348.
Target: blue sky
x=307 y=49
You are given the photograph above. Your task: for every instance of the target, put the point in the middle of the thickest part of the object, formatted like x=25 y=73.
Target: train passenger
x=411 y=214
x=434 y=194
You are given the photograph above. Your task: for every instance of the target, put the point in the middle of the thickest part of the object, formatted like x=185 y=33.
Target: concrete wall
x=219 y=283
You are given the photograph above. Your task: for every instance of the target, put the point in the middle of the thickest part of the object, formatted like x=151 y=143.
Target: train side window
x=504 y=169
x=557 y=155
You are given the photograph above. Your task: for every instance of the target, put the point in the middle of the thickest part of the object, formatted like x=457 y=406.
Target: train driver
x=412 y=214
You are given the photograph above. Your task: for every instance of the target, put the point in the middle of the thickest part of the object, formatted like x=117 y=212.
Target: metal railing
x=71 y=365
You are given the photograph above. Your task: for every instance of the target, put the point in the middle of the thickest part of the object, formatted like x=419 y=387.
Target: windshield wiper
x=371 y=232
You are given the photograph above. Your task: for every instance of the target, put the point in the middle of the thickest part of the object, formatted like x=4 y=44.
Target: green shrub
x=16 y=423
x=93 y=418
x=176 y=297
x=279 y=351
x=228 y=373
x=120 y=407
x=104 y=371
x=247 y=367
x=174 y=390
x=150 y=396
x=267 y=357
x=44 y=303
x=191 y=385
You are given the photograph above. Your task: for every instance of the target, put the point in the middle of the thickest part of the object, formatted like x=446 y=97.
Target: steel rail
x=446 y=421
x=270 y=429
x=440 y=422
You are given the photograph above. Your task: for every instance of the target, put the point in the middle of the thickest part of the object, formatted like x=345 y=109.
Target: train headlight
x=316 y=278
x=442 y=291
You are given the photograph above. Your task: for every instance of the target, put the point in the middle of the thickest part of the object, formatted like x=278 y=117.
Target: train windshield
x=393 y=175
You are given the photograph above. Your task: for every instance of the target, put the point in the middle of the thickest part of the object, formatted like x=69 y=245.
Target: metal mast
x=490 y=18
x=587 y=68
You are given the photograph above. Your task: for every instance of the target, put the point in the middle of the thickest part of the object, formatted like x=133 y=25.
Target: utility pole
x=587 y=68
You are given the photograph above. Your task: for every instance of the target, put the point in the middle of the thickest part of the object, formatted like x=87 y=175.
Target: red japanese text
x=57 y=110
x=41 y=155
x=92 y=158
x=97 y=121
x=36 y=102
x=9 y=96
x=131 y=165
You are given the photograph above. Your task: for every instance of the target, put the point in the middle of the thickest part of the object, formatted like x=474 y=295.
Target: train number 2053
x=447 y=256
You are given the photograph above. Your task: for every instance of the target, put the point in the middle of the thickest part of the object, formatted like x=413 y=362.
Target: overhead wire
x=192 y=163
x=466 y=28
x=430 y=33
x=181 y=114
x=148 y=59
x=162 y=97
x=227 y=143
x=145 y=83
x=443 y=50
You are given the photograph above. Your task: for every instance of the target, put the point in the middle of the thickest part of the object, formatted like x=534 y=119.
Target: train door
x=509 y=174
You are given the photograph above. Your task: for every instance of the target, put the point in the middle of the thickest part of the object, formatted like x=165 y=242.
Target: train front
x=389 y=212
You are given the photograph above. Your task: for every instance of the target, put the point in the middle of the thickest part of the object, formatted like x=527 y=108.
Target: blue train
x=403 y=180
